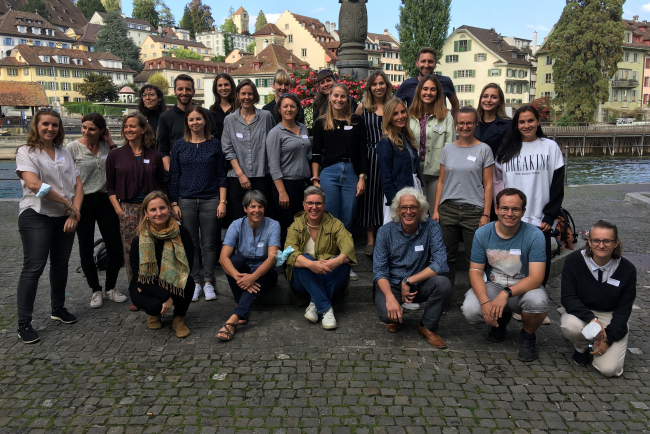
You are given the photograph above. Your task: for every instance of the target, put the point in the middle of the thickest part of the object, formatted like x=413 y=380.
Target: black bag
x=99 y=254
x=568 y=224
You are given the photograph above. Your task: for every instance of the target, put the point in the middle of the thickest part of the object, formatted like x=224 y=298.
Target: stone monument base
x=358 y=69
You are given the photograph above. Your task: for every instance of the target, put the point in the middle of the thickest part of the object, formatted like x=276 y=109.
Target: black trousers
x=295 y=190
x=152 y=299
x=236 y=195
x=547 y=238
x=97 y=208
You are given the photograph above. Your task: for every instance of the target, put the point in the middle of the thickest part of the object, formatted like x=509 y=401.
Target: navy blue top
x=494 y=134
x=396 y=168
x=406 y=90
x=197 y=171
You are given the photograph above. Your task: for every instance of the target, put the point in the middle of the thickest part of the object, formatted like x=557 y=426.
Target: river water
x=581 y=170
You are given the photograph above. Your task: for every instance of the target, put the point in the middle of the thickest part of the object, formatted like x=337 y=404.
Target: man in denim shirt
x=409 y=257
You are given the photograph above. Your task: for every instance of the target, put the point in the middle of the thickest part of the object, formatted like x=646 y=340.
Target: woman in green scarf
x=162 y=253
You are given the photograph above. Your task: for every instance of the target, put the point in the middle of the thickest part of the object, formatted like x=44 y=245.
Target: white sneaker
x=410 y=306
x=311 y=313
x=97 y=300
x=208 y=290
x=329 y=322
x=116 y=296
x=353 y=275
x=197 y=291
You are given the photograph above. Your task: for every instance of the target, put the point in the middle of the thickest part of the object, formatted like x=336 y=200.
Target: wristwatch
x=406 y=280
x=224 y=201
x=508 y=291
x=364 y=176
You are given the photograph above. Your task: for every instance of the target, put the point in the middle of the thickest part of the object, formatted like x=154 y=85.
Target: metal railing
x=625 y=83
x=598 y=129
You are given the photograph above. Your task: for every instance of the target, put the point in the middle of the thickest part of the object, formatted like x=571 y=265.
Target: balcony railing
x=625 y=83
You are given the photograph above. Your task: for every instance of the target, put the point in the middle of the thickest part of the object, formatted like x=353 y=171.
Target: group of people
x=419 y=177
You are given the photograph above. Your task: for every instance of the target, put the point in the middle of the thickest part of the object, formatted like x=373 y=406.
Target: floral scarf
x=174 y=267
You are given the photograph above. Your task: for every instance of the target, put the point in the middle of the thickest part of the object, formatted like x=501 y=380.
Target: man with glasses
x=512 y=254
x=408 y=260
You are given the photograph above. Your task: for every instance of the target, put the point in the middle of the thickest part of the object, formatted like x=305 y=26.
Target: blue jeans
x=339 y=182
x=245 y=299
x=321 y=288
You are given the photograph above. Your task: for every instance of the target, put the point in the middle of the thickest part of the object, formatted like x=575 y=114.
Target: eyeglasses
x=149 y=95
x=409 y=208
x=47 y=109
x=466 y=124
x=596 y=242
x=505 y=209
x=316 y=204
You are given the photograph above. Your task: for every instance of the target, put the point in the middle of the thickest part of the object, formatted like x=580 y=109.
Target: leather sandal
x=228 y=333
x=393 y=327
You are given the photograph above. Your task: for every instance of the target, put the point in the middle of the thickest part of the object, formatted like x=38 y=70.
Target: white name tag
x=515 y=252
x=437 y=128
x=260 y=244
x=347 y=127
x=305 y=137
x=61 y=159
x=239 y=135
x=103 y=157
x=471 y=158
x=146 y=161
x=613 y=282
x=419 y=248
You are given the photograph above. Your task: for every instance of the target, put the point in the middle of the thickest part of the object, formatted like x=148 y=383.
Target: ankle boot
x=153 y=322
x=180 y=328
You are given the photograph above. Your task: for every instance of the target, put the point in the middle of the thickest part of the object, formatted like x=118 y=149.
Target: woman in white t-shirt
x=529 y=161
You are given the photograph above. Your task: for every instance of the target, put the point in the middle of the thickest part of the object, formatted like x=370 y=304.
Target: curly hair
x=33 y=139
x=148 y=137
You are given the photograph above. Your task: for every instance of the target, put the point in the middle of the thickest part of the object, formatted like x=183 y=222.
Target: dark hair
x=321 y=100
x=206 y=128
x=467 y=109
x=248 y=82
x=604 y=224
x=512 y=192
x=232 y=98
x=290 y=96
x=96 y=119
x=429 y=50
x=161 y=104
x=184 y=77
x=511 y=146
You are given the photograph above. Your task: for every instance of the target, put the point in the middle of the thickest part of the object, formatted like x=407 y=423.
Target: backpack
x=567 y=228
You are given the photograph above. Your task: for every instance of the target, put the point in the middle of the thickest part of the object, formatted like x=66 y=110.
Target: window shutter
x=473 y=73
x=472 y=88
x=455 y=46
x=476 y=58
x=489 y=73
x=471 y=102
x=469 y=45
x=552 y=81
x=446 y=59
x=499 y=72
x=455 y=74
x=57 y=85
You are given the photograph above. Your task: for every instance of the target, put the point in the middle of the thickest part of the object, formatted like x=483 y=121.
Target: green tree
x=251 y=47
x=197 y=18
x=165 y=16
x=160 y=81
x=229 y=26
x=88 y=7
x=227 y=43
x=98 y=88
x=260 y=22
x=185 y=53
x=219 y=58
x=586 y=47
x=111 y=5
x=113 y=36
x=422 y=23
x=34 y=6
x=145 y=10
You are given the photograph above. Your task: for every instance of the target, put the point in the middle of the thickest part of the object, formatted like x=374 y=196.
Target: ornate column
x=353 y=30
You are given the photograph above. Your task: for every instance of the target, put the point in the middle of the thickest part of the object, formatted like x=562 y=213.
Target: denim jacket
x=396 y=167
x=439 y=133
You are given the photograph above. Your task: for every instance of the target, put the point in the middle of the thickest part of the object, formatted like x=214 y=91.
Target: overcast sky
x=508 y=17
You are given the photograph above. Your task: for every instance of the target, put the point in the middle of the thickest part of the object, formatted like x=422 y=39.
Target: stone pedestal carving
x=353 y=30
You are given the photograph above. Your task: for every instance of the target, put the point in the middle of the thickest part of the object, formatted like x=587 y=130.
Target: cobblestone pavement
x=281 y=374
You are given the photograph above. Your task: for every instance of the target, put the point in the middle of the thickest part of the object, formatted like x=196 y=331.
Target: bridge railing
x=598 y=129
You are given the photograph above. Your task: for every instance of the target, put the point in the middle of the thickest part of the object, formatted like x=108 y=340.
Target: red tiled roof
x=11 y=20
x=319 y=28
x=175 y=41
x=89 y=59
x=88 y=33
x=269 y=29
x=239 y=11
x=62 y=13
x=14 y=93
x=493 y=41
x=269 y=60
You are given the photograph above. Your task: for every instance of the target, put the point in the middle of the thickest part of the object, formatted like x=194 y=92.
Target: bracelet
x=485 y=215
x=486 y=301
x=241 y=174
x=314 y=178
x=69 y=206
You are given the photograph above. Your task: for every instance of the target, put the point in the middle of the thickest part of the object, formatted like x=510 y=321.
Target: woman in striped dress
x=378 y=92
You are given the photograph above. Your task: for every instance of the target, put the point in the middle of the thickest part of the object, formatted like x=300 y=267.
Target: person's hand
x=71 y=223
x=332 y=263
x=74 y=211
x=119 y=211
x=107 y=137
x=436 y=216
x=221 y=210
x=316 y=184
x=483 y=220
x=486 y=310
x=166 y=306
x=545 y=227
x=244 y=181
x=247 y=282
x=284 y=200
x=497 y=305
x=319 y=267
x=361 y=187
x=393 y=309
x=407 y=295
x=600 y=341
x=178 y=212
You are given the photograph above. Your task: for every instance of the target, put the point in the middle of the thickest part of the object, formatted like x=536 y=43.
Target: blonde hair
x=33 y=139
x=147 y=137
x=369 y=99
x=144 y=227
x=390 y=130
x=417 y=108
x=501 y=108
x=347 y=110
x=282 y=77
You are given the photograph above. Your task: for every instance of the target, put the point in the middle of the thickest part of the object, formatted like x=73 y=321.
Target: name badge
x=305 y=137
x=61 y=159
x=103 y=157
x=419 y=248
x=613 y=282
x=471 y=158
x=347 y=127
x=239 y=135
x=146 y=161
x=437 y=128
x=260 y=244
x=515 y=252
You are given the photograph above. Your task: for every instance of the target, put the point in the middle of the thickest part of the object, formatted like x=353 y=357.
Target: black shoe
x=63 y=315
x=27 y=333
x=498 y=334
x=527 y=351
x=582 y=359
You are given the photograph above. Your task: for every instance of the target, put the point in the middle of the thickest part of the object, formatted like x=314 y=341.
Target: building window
x=465 y=88
x=304 y=52
x=546 y=94
x=86 y=74
x=635 y=57
x=465 y=102
x=290 y=38
x=198 y=83
x=40 y=72
x=548 y=60
x=480 y=57
x=548 y=78
x=464 y=73
x=495 y=72
x=286 y=26
x=65 y=86
x=451 y=58
x=8 y=41
x=52 y=72
x=52 y=85
x=462 y=46
x=26 y=71
x=76 y=74
x=13 y=72
x=626 y=57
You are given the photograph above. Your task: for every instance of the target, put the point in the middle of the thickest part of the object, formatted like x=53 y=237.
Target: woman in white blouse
x=48 y=217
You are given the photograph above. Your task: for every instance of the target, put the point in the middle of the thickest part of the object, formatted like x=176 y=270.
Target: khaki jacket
x=439 y=134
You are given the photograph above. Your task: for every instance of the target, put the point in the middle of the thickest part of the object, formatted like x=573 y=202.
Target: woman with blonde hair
x=433 y=127
x=133 y=171
x=47 y=218
x=282 y=86
x=378 y=92
x=399 y=165
x=161 y=255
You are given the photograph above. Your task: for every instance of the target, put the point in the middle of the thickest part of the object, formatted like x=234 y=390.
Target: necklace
x=313 y=227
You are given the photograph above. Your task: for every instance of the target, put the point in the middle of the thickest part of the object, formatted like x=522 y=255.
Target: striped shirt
x=60 y=173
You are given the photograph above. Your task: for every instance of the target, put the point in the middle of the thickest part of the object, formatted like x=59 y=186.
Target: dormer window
x=77 y=61
x=63 y=59
x=22 y=29
x=45 y=59
x=39 y=22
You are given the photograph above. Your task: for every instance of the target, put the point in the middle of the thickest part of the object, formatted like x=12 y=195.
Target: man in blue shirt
x=409 y=257
x=512 y=254
x=426 y=63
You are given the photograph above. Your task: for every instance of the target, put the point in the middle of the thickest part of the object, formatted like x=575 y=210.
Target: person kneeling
x=409 y=257
x=598 y=285
x=163 y=253
x=323 y=252
x=254 y=240
x=513 y=255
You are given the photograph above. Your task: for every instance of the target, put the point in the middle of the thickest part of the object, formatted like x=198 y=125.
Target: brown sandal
x=228 y=333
